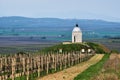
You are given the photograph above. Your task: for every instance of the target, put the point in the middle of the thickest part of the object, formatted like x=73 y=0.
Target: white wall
x=78 y=37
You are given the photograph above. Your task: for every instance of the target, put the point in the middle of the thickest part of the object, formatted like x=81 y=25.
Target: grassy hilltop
x=98 y=48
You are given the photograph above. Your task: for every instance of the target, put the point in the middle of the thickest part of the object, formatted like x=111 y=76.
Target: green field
x=92 y=70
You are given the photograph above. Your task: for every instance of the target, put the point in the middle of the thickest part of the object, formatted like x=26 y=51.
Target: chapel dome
x=76 y=29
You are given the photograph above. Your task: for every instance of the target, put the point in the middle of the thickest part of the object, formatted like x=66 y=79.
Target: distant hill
x=16 y=21
x=16 y=25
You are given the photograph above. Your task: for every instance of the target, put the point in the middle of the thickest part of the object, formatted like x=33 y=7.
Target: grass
x=21 y=78
x=92 y=70
x=65 y=48
x=111 y=69
x=97 y=47
x=74 y=47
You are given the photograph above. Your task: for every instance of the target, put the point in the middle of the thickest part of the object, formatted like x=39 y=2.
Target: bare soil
x=70 y=73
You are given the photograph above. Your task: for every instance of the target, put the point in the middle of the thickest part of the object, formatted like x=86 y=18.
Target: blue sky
x=78 y=9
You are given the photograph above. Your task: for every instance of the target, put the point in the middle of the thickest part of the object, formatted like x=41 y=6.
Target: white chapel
x=76 y=35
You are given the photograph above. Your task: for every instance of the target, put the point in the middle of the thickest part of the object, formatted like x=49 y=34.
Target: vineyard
x=28 y=66
x=72 y=72
x=31 y=66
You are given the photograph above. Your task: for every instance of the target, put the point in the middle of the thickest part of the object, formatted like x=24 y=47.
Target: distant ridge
x=47 y=18
x=16 y=21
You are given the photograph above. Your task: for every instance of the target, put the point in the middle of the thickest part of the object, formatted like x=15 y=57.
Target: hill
x=16 y=21
x=23 y=29
x=55 y=27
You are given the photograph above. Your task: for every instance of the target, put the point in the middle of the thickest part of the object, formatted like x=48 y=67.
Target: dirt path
x=70 y=73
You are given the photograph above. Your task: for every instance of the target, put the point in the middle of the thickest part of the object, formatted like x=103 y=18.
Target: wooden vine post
x=23 y=64
x=28 y=68
x=38 y=65
x=47 y=63
x=55 y=63
x=13 y=67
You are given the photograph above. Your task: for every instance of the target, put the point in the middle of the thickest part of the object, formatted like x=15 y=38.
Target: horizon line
x=64 y=18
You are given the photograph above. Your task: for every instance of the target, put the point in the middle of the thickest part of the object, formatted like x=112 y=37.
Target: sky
x=67 y=9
